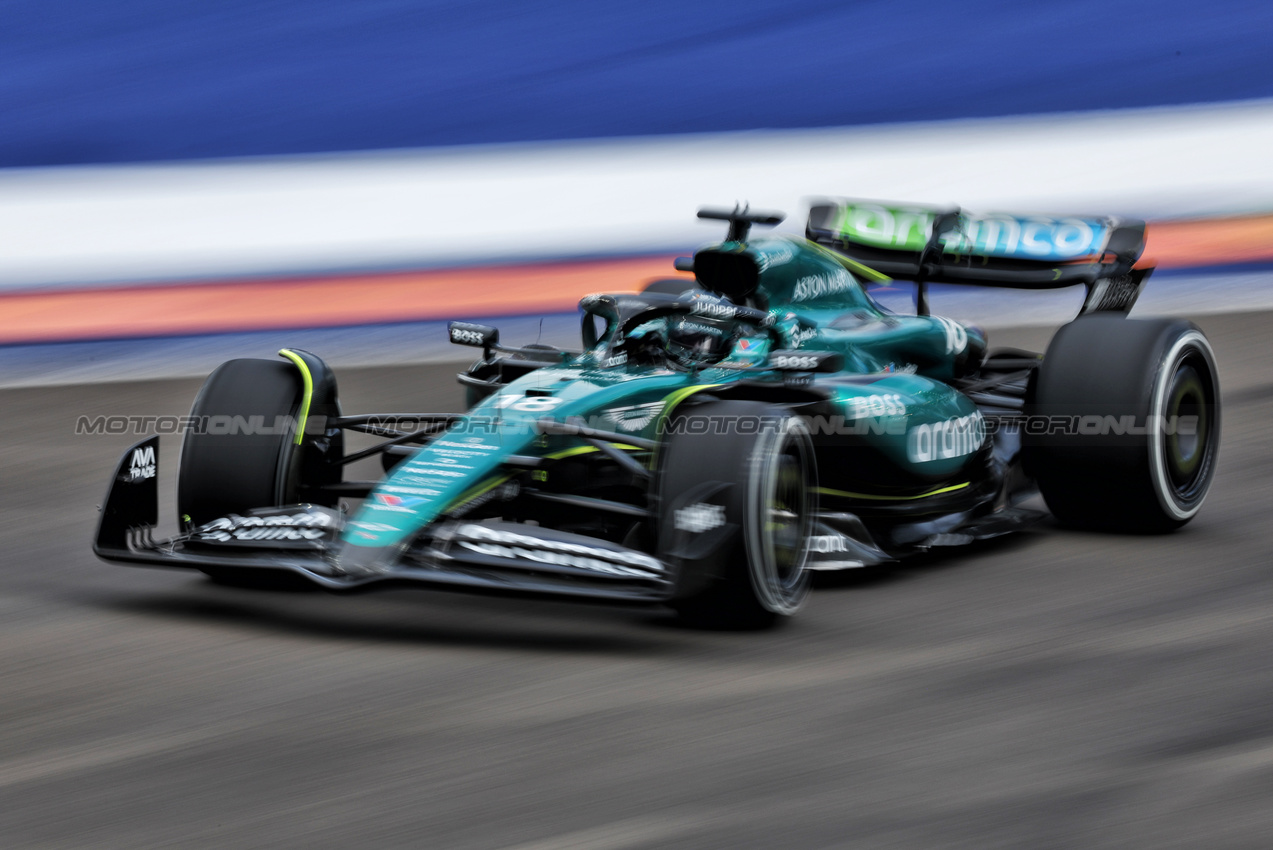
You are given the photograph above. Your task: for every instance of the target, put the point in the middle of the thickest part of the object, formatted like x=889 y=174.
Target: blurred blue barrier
x=140 y=80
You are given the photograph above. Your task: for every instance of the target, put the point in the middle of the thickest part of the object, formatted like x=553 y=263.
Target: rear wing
x=936 y=245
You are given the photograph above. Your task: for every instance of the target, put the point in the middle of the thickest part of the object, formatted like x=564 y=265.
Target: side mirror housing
x=479 y=336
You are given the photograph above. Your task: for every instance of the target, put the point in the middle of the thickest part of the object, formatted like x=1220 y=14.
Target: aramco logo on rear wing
x=996 y=235
x=141 y=465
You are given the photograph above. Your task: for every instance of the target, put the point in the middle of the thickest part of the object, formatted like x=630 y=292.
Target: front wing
x=305 y=540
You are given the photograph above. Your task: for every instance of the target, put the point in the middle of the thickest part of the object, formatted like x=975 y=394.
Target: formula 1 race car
x=717 y=437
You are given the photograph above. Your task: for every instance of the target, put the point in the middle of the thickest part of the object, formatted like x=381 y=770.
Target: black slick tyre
x=737 y=499
x=1125 y=423
x=236 y=461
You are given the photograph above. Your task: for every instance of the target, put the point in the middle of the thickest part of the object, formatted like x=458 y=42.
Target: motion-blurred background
x=170 y=171
x=186 y=182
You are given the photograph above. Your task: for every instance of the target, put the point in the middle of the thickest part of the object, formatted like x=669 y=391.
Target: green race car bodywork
x=882 y=407
x=764 y=411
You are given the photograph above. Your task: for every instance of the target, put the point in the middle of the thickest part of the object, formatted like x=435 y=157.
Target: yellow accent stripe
x=491 y=483
x=579 y=450
x=853 y=265
x=866 y=271
x=670 y=401
x=307 y=396
x=477 y=490
x=827 y=491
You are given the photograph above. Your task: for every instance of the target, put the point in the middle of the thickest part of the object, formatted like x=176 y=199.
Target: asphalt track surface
x=1054 y=689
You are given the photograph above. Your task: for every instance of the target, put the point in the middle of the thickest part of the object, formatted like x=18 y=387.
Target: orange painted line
x=202 y=308
x=319 y=302
x=1210 y=242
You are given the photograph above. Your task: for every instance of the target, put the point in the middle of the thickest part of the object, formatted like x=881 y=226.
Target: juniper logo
x=713 y=309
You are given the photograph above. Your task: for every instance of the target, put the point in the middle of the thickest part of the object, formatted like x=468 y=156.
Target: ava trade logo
x=398 y=504
x=141 y=465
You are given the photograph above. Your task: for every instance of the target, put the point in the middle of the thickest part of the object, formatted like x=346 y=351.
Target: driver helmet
x=700 y=338
x=646 y=344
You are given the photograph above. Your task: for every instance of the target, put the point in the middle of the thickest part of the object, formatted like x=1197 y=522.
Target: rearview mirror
x=480 y=336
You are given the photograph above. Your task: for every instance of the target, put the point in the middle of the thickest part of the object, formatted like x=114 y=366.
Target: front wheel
x=1125 y=423
x=737 y=501
x=244 y=452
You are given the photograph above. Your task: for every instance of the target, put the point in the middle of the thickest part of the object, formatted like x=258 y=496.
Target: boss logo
x=794 y=361
x=466 y=337
x=885 y=404
x=463 y=333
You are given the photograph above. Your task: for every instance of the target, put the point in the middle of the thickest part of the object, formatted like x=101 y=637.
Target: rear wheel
x=737 y=503
x=1132 y=409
